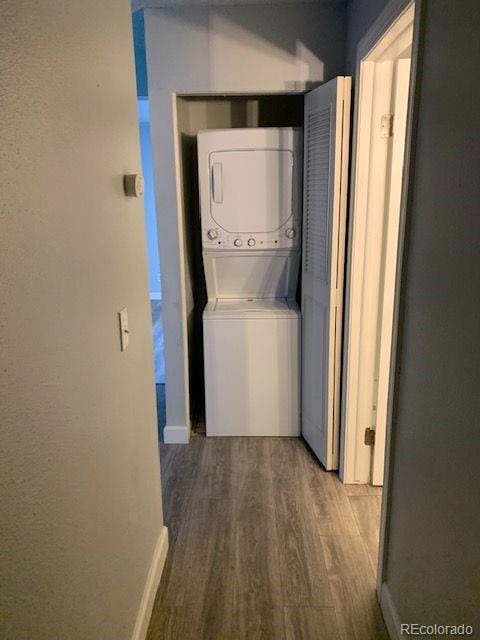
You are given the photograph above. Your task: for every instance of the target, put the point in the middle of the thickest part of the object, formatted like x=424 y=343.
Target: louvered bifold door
x=327 y=116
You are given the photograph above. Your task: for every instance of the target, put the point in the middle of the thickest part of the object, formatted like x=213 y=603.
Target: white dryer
x=250 y=196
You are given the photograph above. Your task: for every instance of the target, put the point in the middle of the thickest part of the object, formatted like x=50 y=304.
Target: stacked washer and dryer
x=250 y=197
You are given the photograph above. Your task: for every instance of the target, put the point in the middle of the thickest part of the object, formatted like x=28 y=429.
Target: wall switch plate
x=124 y=333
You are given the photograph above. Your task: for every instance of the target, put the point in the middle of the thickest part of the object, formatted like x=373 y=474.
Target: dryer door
x=251 y=190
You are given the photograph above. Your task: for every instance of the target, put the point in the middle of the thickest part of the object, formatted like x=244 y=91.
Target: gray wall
x=434 y=551
x=433 y=571
x=360 y=16
x=79 y=472
x=221 y=49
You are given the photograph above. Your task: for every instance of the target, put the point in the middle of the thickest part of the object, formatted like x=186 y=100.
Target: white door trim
x=390 y=14
x=391 y=29
x=385 y=21
x=387 y=288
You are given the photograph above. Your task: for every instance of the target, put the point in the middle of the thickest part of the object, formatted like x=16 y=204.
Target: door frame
x=389 y=15
x=386 y=19
x=180 y=434
x=390 y=27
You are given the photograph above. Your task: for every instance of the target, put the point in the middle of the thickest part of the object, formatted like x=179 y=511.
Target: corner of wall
x=390 y=613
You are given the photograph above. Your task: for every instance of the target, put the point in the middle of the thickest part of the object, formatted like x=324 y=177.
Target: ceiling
x=142 y=4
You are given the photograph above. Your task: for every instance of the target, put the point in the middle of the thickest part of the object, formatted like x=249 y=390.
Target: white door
x=393 y=194
x=327 y=118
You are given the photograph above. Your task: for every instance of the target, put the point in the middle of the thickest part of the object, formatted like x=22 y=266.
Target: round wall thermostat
x=133 y=185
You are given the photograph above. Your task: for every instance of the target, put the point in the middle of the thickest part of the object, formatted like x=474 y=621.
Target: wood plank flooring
x=156 y=308
x=264 y=544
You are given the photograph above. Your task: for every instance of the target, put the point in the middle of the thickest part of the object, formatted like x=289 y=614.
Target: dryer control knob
x=212 y=234
x=237 y=242
x=290 y=233
x=251 y=242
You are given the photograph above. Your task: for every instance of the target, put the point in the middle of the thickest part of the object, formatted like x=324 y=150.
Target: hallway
x=264 y=544
x=158 y=341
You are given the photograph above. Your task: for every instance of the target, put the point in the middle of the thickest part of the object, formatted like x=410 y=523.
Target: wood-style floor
x=264 y=544
x=156 y=307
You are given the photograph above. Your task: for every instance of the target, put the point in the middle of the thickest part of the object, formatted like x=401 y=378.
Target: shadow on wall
x=305 y=42
x=151 y=233
x=161 y=410
x=240 y=29
x=149 y=201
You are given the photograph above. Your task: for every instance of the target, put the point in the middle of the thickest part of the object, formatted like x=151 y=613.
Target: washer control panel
x=218 y=238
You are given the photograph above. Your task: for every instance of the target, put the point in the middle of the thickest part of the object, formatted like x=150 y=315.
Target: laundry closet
x=261 y=184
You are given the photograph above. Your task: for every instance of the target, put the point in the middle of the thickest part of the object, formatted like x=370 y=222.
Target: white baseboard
x=176 y=435
x=155 y=295
x=390 y=614
x=151 y=586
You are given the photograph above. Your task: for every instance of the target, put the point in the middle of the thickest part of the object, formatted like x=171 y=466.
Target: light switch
x=124 y=333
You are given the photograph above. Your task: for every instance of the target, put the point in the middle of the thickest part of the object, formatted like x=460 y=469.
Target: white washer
x=250 y=185
x=252 y=367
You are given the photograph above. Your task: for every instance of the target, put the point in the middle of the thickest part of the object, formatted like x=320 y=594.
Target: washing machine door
x=251 y=189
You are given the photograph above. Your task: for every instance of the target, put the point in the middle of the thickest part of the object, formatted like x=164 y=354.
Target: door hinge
x=386 y=125
x=369 y=436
